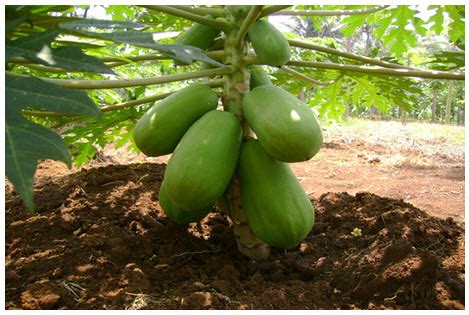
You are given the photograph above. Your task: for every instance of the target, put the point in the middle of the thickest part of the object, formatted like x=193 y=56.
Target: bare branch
x=429 y=74
x=309 y=79
x=337 y=52
x=111 y=84
x=144 y=100
x=272 y=9
x=190 y=16
x=200 y=11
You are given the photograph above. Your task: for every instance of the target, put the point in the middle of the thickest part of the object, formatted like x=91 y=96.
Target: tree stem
x=331 y=12
x=236 y=84
x=190 y=16
x=272 y=9
x=140 y=101
x=337 y=52
x=307 y=78
x=252 y=16
x=200 y=11
x=112 y=84
x=428 y=74
x=217 y=55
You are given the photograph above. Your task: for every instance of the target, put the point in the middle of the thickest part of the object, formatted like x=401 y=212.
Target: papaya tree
x=231 y=131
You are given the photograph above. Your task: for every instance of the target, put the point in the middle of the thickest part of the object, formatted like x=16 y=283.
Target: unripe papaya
x=159 y=130
x=198 y=35
x=270 y=45
x=276 y=207
x=203 y=163
x=179 y=215
x=285 y=126
x=258 y=77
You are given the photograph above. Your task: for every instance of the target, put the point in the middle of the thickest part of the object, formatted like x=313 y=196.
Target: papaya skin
x=285 y=126
x=160 y=129
x=201 y=167
x=198 y=35
x=276 y=207
x=270 y=45
x=258 y=77
x=179 y=215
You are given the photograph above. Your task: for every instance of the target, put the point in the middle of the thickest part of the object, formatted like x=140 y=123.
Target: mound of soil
x=101 y=241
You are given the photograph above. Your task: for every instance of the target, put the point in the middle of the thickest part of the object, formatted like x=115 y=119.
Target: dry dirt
x=101 y=241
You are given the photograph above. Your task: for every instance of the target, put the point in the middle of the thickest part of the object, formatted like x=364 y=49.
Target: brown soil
x=101 y=241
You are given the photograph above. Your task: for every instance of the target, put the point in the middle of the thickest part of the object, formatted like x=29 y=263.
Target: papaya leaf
x=448 y=60
x=457 y=25
x=10 y=24
x=73 y=58
x=27 y=142
x=30 y=47
x=32 y=92
x=99 y=24
x=36 y=48
x=183 y=53
x=352 y=24
x=437 y=19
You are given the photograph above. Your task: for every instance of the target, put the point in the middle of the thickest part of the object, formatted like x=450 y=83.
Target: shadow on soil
x=101 y=241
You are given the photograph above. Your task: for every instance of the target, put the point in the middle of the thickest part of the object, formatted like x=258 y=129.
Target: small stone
x=198 y=285
x=39 y=296
x=320 y=262
x=197 y=300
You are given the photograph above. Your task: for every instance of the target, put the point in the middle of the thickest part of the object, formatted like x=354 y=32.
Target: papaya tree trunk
x=434 y=101
x=235 y=86
x=403 y=115
x=461 y=114
x=448 y=103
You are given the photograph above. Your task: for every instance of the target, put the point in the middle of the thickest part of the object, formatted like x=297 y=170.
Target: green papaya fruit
x=198 y=35
x=285 y=126
x=203 y=163
x=258 y=77
x=159 y=130
x=276 y=207
x=179 y=215
x=270 y=45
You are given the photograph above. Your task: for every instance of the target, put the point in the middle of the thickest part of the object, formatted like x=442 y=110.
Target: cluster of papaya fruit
x=207 y=149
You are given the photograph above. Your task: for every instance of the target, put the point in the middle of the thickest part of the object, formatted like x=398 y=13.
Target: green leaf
x=24 y=92
x=437 y=20
x=27 y=142
x=10 y=24
x=31 y=47
x=100 y=24
x=457 y=24
x=37 y=48
x=448 y=60
x=73 y=58
x=352 y=24
x=394 y=31
x=183 y=53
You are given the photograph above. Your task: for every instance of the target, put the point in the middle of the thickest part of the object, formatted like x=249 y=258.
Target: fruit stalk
x=236 y=84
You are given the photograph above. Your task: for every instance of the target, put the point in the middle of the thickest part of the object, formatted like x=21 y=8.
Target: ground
x=101 y=241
